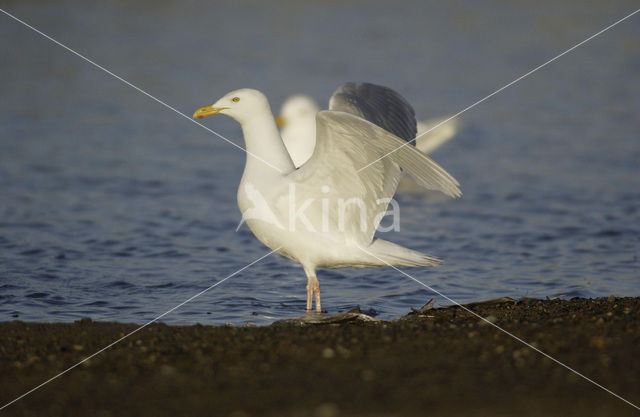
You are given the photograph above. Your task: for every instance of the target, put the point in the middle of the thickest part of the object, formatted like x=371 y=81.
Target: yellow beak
x=281 y=121
x=203 y=112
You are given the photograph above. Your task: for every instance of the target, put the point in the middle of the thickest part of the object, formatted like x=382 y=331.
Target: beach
x=438 y=361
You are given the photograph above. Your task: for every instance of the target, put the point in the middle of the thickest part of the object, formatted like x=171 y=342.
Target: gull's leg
x=316 y=291
x=313 y=288
x=309 y=294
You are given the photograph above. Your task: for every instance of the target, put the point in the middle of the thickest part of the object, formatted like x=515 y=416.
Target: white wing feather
x=346 y=143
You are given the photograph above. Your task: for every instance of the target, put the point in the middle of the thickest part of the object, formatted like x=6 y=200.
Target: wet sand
x=438 y=362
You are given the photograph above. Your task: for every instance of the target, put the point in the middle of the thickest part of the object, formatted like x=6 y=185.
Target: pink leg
x=313 y=288
x=316 y=291
x=309 y=296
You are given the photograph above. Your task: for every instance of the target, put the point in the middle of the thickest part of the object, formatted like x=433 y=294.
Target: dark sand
x=443 y=362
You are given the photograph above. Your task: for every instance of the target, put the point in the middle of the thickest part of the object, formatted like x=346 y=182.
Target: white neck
x=266 y=154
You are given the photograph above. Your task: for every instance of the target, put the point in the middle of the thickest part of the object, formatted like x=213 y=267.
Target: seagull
x=297 y=122
x=324 y=213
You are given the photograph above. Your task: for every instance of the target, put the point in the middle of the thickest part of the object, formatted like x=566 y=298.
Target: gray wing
x=380 y=105
x=346 y=143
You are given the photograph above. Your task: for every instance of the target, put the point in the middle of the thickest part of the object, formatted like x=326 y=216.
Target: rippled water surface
x=114 y=207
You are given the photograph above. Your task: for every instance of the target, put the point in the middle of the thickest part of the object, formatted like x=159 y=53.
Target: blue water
x=115 y=208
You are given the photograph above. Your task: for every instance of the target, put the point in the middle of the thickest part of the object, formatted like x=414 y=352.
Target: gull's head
x=241 y=105
x=296 y=108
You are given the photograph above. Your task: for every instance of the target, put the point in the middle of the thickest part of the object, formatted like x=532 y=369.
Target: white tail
x=397 y=255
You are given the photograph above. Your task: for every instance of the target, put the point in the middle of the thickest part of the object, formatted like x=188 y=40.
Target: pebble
x=167 y=370
x=367 y=375
x=597 y=342
x=490 y=319
x=328 y=353
x=326 y=410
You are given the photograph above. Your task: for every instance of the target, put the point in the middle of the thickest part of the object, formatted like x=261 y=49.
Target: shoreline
x=432 y=361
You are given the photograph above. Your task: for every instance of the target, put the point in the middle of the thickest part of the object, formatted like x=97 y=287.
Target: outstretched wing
x=345 y=143
x=380 y=105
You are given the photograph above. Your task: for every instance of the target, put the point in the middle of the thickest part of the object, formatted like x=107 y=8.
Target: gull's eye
x=235 y=99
